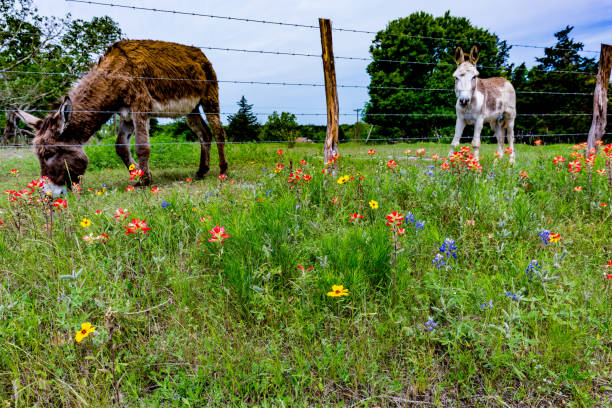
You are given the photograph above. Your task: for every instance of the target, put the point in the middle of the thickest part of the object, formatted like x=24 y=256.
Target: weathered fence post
x=331 y=92
x=600 y=97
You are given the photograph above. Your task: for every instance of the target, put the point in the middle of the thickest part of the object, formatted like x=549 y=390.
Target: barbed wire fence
x=5 y=73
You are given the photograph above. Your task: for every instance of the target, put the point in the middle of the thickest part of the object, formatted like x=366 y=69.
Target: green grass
x=248 y=327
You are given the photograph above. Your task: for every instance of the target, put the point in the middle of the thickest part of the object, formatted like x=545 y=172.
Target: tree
x=34 y=49
x=561 y=69
x=281 y=127
x=426 y=45
x=243 y=126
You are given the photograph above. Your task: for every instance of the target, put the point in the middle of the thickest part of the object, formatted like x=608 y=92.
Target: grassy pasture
x=182 y=321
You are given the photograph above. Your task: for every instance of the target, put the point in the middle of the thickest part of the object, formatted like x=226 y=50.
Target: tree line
x=410 y=52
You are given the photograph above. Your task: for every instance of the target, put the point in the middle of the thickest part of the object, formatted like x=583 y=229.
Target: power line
x=243 y=82
x=279 y=23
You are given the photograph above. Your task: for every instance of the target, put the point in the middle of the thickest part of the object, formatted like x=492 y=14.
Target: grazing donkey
x=490 y=100
x=140 y=79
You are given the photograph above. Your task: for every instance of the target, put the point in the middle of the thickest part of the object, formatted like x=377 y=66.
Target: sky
x=529 y=22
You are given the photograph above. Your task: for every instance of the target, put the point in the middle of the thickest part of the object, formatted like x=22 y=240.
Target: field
x=474 y=300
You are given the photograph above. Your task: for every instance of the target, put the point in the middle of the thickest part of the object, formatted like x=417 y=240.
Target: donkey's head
x=60 y=162
x=465 y=75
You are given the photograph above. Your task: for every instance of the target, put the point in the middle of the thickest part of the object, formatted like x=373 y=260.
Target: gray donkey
x=490 y=100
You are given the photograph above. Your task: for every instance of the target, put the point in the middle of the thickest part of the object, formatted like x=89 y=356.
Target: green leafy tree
x=34 y=48
x=426 y=45
x=561 y=69
x=281 y=127
x=243 y=126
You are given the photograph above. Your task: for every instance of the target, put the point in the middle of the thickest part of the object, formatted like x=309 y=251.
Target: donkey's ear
x=474 y=55
x=30 y=120
x=459 y=58
x=65 y=113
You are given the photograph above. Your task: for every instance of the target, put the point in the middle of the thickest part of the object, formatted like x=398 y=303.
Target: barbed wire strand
x=296 y=114
x=279 y=23
x=424 y=139
x=276 y=83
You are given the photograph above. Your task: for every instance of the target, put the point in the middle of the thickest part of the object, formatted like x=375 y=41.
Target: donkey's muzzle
x=463 y=101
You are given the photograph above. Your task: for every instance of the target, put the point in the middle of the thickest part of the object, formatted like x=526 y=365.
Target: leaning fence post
x=600 y=98
x=331 y=92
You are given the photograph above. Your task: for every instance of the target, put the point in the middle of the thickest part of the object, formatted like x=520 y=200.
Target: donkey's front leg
x=459 y=126
x=476 y=139
x=142 y=147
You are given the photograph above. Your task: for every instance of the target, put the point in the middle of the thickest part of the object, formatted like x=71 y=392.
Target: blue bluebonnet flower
x=491 y=176
x=104 y=185
x=545 y=237
x=418 y=225
x=449 y=248
x=268 y=192
x=438 y=261
x=410 y=217
x=165 y=204
x=430 y=325
x=514 y=296
x=430 y=171
x=532 y=268
x=489 y=305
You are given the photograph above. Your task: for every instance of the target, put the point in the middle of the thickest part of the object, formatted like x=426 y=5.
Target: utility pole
x=357 y=124
x=331 y=92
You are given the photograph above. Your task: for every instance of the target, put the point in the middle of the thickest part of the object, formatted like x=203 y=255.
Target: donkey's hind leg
x=499 y=135
x=122 y=145
x=510 y=136
x=211 y=107
x=196 y=123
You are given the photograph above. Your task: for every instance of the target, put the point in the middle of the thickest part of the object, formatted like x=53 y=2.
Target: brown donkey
x=479 y=101
x=140 y=79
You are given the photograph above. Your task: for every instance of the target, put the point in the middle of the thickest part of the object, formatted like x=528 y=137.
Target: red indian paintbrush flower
x=121 y=213
x=394 y=218
x=574 y=166
x=356 y=217
x=137 y=226
x=218 y=234
x=60 y=203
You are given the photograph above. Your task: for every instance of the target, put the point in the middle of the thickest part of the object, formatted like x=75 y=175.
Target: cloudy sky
x=529 y=22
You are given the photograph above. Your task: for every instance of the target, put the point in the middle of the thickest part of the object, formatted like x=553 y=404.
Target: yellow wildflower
x=337 y=291
x=86 y=330
x=132 y=167
x=85 y=223
x=343 y=179
x=373 y=204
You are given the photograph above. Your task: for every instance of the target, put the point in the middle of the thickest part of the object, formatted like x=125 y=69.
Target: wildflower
x=601 y=172
x=489 y=305
x=136 y=173
x=435 y=157
x=392 y=164
x=445 y=166
x=278 y=168
x=279 y=152
x=76 y=187
x=132 y=167
x=306 y=178
x=371 y=152
x=165 y=204
x=532 y=268
x=497 y=155
x=373 y=204
x=14 y=172
x=343 y=179
x=408 y=151
x=394 y=218
x=356 y=217
x=86 y=222
x=137 y=226
x=449 y=248
x=400 y=231
x=155 y=190
x=100 y=192
x=129 y=188
x=60 y=203
x=121 y=213
x=108 y=170
x=574 y=166
x=578 y=189
x=554 y=238
x=337 y=291
x=603 y=205
x=538 y=142
x=430 y=325
x=514 y=296
x=90 y=239
x=558 y=160
x=420 y=151
x=336 y=201
x=301 y=268
x=188 y=180
x=438 y=261
x=86 y=330
x=218 y=234
x=302 y=162
x=523 y=174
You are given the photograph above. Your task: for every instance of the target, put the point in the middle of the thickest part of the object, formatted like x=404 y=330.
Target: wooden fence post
x=600 y=98
x=331 y=92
